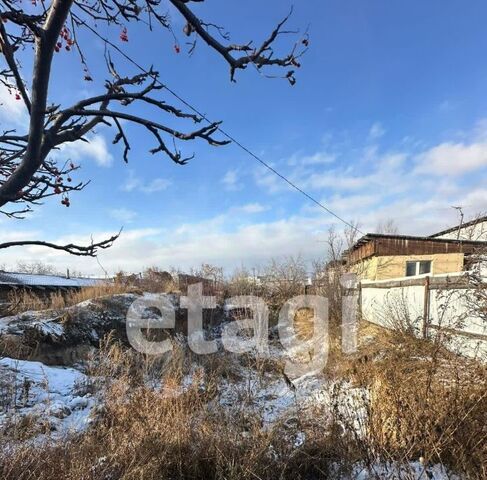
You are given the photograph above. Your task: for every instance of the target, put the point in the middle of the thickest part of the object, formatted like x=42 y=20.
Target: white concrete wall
x=477 y=232
x=402 y=307
x=452 y=309
x=390 y=307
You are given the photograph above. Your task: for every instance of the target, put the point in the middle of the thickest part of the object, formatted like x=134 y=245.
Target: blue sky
x=387 y=120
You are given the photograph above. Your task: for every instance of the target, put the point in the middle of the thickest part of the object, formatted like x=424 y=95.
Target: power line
x=221 y=130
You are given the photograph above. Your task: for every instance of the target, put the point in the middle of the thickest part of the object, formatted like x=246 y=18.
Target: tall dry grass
x=423 y=402
x=174 y=431
x=415 y=401
x=23 y=300
x=155 y=423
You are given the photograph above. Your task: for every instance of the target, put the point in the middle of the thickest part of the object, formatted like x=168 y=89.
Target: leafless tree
x=38 y=32
x=329 y=271
x=388 y=226
x=210 y=272
x=476 y=229
x=37 y=268
x=476 y=296
x=286 y=275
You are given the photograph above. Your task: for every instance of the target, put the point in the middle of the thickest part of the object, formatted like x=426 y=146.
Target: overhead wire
x=221 y=130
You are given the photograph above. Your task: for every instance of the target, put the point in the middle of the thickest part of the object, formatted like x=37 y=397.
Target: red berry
x=56 y=48
x=57 y=190
x=17 y=96
x=68 y=48
x=69 y=179
x=177 y=48
x=124 y=36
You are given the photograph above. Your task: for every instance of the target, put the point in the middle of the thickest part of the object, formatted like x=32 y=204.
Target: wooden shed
x=381 y=256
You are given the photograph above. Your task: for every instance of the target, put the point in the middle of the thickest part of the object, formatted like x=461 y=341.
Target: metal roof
x=372 y=236
x=32 y=280
x=476 y=221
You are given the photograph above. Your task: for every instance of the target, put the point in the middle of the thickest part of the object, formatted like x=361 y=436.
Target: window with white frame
x=418 y=267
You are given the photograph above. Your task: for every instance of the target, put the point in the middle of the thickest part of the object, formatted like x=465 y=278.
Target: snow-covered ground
x=56 y=397
x=60 y=400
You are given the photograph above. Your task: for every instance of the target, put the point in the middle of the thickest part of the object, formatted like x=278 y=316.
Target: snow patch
x=56 y=394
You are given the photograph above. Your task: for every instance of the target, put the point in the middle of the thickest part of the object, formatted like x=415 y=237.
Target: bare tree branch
x=32 y=164
x=90 y=250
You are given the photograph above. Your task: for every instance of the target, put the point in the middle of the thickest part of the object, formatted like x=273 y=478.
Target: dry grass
x=424 y=402
x=171 y=432
x=22 y=300
x=152 y=280
x=145 y=435
x=416 y=401
x=413 y=402
x=303 y=324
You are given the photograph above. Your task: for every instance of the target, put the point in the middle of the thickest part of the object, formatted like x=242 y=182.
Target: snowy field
x=60 y=401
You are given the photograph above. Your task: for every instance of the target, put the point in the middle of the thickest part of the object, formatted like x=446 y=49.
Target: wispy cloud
x=268 y=180
x=319 y=158
x=95 y=148
x=251 y=208
x=134 y=183
x=452 y=159
x=412 y=184
x=446 y=106
x=124 y=215
x=12 y=112
x=376 y=131
x=230 y=181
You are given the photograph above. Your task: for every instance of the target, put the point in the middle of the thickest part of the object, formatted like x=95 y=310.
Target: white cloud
x=319 y=158
x=268 y=180
x=338 y=180
x=480 y=130
x=373 y=187
x=156 y=185
x=14 y=114
x=12 y=111
x=10 y=235
x=213 y=240
x=123 y=214
x=376 y=131
x=131 y=183
x=251 y=208
x=95 y=148
x=452 y=159
x=231 y=181
x=349 y=204
x=134 y=183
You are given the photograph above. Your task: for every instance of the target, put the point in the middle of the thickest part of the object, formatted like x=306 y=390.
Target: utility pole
x=460 y=212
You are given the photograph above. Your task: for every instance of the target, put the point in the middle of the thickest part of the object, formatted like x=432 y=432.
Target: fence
x=425 y=306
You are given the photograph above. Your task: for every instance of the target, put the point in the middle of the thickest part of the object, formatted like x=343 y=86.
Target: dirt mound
x=63 y=337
